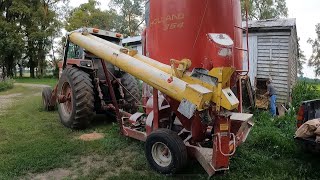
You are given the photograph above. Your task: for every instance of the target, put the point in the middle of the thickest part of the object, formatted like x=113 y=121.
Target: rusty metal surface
x=136 y=134
x=113 y=96
x=66 y=97
x=54 y=95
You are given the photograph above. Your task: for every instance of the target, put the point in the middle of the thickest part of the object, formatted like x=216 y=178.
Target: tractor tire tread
x=131 y=84
x=46 y=97
x=82 y=88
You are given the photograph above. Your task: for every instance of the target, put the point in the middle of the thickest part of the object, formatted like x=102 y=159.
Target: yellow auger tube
x=177 y=89
x=164 y=67
x=220 y=95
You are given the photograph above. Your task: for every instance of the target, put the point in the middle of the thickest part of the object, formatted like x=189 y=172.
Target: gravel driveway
x=6 y=101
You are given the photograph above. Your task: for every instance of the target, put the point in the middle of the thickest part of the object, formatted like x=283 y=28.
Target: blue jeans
x=273 y=106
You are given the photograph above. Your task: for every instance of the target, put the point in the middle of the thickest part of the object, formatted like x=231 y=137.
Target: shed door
x=253 y=57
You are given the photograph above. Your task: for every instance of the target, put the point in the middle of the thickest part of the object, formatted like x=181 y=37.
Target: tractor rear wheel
x=165 y=151
x=130 y=84
x=76 y=88
x=46 y=99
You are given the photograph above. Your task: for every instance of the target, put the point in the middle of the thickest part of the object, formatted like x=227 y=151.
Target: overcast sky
x=306 y=12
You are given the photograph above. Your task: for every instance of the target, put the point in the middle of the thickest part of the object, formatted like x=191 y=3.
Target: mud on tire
x=78 y=111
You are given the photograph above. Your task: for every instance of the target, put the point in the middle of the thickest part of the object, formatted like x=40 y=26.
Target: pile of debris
x=310 y=129
x=262 y=102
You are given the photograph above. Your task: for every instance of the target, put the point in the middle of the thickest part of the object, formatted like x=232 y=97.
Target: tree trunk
x=20 y=70
x=10 y=66
x=3 y=70
x=32 y=69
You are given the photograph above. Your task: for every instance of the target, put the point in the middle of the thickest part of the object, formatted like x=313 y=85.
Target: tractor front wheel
x=75 y=91
x=46 y=99
x=165 y=151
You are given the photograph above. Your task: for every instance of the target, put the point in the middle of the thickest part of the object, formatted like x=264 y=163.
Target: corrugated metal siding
x=253 y=56
x=293 y=58
x=273 y=54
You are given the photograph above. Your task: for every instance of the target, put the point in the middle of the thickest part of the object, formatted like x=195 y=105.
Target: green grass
x=5 y=85
x=34 y=141
x=46 y=81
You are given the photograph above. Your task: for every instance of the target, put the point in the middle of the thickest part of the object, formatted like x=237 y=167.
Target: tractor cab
x=79 y=57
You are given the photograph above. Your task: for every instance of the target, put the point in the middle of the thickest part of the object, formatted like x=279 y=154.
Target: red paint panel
x=178 y=29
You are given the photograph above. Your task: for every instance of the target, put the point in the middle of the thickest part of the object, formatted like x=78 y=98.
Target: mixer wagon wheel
x=165 y=151
x=76 y=96
x=131 y=91
x=46 y=97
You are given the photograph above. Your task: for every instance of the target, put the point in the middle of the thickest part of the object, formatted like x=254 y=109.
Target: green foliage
x=301 y=60
x=6 y=84
x=274 y=135
x=88 y=15
x=315 y=57
x=127 y=21
x=26 y=32
x=130 y=18
x=304 y=91
x=11 y=41
x=265 y=9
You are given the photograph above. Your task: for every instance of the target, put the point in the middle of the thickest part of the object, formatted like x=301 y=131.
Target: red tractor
x=83 y=90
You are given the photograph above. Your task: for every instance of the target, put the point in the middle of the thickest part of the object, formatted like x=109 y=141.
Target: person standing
x=271 y=92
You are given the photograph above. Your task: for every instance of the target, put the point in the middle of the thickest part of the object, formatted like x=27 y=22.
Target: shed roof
x=131 y=39
x=271 y=23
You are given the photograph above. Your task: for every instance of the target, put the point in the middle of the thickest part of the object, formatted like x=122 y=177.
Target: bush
x=6 y=84
x=273 y=134
x=304 y=91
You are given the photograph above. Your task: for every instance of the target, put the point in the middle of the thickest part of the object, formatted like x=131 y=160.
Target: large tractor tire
x=46 y=99
x=77 y=111
x=131 y=84
x=165 y=151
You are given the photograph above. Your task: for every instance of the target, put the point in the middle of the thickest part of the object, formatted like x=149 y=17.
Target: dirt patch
x=54 y=174
x=31 y=85
x=91 y=136
x=91 y=167
x=8 y=100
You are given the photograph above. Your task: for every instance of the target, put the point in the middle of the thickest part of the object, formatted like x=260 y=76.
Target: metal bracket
x=203 y=75
x=186 y=108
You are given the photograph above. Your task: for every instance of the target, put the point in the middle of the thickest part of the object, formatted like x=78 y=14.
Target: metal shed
x=273 y=48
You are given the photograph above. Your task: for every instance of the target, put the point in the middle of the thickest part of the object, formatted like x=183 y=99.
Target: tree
x=88 y=15
x=314 y=60
x=130 y=18
x=301 y=60
x=264 y=9
x=26 y=30
x=11 y=41
x=41 y=23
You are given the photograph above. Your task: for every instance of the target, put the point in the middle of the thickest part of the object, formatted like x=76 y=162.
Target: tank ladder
x=246 y=30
